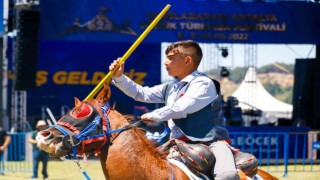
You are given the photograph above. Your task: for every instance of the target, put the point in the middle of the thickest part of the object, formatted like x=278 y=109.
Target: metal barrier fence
x=278 y=150
x=18 y=155
x=274 y=150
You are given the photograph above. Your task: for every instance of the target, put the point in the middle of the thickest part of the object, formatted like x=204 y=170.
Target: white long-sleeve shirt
x=199 y=94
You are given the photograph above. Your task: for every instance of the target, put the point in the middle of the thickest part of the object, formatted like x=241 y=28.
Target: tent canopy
x=252 y=95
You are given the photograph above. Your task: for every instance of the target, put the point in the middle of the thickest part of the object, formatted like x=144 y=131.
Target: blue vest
x=202 y=125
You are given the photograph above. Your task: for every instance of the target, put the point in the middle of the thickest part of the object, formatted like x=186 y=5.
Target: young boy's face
x=175 y=63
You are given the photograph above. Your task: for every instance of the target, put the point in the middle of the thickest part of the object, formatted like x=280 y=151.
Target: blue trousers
x=1 y=162
x=37 y=157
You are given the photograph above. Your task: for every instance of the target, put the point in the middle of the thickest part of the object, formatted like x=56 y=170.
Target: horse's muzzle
x=50 y=143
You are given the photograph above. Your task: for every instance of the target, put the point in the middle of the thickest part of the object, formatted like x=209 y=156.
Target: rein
x=137 y=123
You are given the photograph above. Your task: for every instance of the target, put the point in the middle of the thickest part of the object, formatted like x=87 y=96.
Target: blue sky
x=265 y=53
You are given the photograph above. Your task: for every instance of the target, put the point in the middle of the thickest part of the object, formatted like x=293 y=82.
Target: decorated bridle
x=84 y=131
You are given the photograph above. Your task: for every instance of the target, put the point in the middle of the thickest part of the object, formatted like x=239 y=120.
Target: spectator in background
x=4 y=142
x=38 y=154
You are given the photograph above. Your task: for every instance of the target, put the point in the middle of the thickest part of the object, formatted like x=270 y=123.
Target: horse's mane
x=141 y=134
x=102 y=98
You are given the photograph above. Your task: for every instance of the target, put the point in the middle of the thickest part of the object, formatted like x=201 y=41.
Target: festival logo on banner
x=101 y=22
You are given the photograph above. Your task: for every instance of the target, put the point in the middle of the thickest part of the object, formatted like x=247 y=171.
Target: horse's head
x=83 y=129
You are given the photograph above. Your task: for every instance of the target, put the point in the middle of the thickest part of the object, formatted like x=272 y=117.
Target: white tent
x=252 y=95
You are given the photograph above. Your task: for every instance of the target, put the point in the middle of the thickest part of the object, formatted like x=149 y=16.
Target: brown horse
x=124 y=151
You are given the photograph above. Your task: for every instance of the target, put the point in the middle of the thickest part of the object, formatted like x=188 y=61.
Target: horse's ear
x=105 y=94
x=114 y=105
x=77 y=102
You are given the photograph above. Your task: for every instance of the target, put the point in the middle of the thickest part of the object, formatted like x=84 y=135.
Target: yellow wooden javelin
x=129 y=52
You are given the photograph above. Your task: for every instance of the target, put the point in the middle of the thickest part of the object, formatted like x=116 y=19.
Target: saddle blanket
x=185 y=169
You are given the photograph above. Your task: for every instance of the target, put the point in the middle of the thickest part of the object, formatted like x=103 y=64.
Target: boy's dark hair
x=192 y=48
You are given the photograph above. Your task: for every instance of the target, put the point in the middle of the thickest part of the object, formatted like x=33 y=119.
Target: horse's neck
x=131 y=150
x=131 y=156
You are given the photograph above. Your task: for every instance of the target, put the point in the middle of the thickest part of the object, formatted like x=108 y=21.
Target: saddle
x=200 y=160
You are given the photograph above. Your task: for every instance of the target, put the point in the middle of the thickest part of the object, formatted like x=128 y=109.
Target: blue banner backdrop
x=1 y=17
x=204 y=21
x=72 y=69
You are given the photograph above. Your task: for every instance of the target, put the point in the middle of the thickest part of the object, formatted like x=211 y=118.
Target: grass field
x=69 y=170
